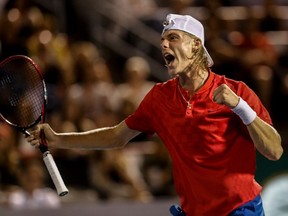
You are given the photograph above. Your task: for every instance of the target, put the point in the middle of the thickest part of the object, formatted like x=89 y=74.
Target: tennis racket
x=23 y=100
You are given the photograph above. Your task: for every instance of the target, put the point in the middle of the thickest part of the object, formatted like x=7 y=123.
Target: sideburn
x=198 y=57
x=199 y=60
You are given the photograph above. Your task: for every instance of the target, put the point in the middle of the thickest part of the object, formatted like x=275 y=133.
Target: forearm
x=103 y=138
x=266 y=139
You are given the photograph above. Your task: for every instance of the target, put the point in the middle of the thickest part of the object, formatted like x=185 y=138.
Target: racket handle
x=55 y=174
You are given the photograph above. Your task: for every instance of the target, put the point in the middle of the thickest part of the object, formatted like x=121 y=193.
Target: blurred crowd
x=90 y=86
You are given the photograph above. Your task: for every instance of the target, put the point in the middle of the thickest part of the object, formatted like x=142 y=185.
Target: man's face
x=176 y=50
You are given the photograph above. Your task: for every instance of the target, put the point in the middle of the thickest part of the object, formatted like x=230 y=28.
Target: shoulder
x=235 y=85
x=167 y=85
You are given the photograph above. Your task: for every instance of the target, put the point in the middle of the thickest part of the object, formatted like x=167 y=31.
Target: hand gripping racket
x=23 y=99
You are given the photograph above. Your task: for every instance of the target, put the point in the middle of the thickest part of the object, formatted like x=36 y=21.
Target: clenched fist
x=225 y=96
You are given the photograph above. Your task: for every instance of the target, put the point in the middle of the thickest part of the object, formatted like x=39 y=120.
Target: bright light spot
x=45 y=37
x=13 y=15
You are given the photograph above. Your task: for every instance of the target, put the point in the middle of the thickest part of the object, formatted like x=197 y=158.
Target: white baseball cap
x=187 y=24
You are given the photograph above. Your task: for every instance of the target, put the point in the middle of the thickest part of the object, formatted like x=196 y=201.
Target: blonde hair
x=200 y=61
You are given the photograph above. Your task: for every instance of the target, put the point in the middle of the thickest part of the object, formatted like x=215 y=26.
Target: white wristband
x=245 y=112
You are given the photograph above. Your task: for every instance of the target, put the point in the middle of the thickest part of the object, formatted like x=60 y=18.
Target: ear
x=197 y=43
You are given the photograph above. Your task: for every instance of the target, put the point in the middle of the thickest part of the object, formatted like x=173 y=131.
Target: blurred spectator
x=136 y=85
x=15 y=18
x=10 y=158
x=222 y=40
x=94 y=89
x=157 y=170
x=32 y=193
x=73 y=162
x=258 y=58
x=132 y=92
x=126 y=164
x=91 y=101
x=115 y=175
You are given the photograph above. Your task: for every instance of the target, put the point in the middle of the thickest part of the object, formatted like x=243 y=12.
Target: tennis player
x=211 y=126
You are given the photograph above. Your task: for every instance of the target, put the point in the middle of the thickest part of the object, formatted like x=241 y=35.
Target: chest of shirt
x=205 y=132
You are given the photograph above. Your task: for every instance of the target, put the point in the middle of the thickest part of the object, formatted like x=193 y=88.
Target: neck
x=193 y=81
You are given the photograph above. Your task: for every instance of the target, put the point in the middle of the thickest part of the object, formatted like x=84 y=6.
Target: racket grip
x=55 y=174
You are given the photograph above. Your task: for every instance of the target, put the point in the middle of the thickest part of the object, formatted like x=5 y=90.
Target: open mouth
x=169 y=58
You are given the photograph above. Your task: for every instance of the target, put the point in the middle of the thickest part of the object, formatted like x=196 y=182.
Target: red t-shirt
x=212 y=153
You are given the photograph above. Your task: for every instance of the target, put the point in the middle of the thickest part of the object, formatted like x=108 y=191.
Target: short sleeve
x=141 y=119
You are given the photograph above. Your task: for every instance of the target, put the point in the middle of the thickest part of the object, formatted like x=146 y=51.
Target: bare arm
x=101 y=138
x=265 y=138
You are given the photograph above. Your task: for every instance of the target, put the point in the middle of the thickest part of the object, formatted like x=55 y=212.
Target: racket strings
x=23 y=92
